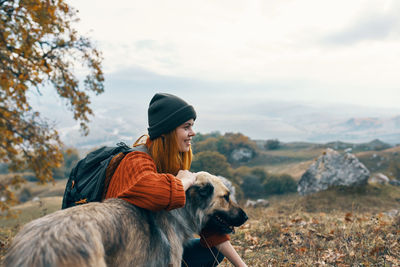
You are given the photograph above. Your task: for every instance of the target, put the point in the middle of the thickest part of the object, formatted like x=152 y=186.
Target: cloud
x=379 y=25
x=154 y=45
x=261 y=111
x=378 y=28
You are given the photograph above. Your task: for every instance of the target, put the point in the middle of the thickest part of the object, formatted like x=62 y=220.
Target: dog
x=117 y=233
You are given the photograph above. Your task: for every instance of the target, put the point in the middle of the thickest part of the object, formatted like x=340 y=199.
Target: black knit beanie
x=166 y=112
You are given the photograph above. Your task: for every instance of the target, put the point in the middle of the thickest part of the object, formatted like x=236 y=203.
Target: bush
x=212 y=162
x=252 y=187
x=232 y=141
x=250 y=181
x=272 y=144
x=209 y=144
x=199 y=137
x=225 y=144
x=238 y=174
x=280 y=184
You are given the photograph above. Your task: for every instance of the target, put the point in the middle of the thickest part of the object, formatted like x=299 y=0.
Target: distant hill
x=379 y=161
x=375 y=144
x=358 y=130
x=286 y=121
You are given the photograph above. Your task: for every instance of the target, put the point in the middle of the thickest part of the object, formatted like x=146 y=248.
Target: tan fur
x=116 y=233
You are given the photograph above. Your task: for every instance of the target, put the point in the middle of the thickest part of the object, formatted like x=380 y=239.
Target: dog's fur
x=116 y=233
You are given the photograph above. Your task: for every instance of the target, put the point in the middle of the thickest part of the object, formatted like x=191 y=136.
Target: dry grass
x=273 y=238
x=296 y=170
x=341 y=227
x=26 y=212
x=36 y=189
x=31 y=210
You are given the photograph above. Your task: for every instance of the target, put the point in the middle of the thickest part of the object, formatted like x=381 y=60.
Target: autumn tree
x=40 y=47
x=224 y=144
x=209 y=144
x=71 y=158
x=212 y=162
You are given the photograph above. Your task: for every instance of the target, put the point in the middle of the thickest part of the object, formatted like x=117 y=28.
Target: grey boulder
x=333 y=169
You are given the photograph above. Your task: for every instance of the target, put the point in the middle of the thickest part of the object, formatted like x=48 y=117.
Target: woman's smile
x=184 y=134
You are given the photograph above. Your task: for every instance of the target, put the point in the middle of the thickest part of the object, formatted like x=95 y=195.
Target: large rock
x=333 y=169
x=242 y=154
x=257 y=203
x=379 y=178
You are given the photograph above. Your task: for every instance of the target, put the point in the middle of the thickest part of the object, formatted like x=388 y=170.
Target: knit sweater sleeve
x=209 y=238
x=136 y=181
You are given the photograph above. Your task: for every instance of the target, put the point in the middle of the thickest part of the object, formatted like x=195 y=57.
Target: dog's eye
x=226 y=197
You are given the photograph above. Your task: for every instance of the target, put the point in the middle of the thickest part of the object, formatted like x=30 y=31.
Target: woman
x=157 y=180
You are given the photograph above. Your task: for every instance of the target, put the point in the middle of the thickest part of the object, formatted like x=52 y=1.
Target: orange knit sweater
x=137 y=181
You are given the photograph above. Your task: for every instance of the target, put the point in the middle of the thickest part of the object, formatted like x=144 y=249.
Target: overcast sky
x=263 y=68
x=311 y=50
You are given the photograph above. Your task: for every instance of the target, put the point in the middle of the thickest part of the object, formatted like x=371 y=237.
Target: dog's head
x=221 y=213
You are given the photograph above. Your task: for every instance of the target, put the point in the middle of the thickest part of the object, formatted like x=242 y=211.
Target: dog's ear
x=206 y=190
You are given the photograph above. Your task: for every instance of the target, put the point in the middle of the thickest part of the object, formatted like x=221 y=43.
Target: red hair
x=165 y=152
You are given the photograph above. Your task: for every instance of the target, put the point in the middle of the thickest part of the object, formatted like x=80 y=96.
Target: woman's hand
x=187 y=178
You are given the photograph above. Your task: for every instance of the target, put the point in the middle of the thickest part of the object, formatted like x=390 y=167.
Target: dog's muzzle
x=225 y=222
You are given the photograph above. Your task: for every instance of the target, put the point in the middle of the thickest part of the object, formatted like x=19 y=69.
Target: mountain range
x=114 y=125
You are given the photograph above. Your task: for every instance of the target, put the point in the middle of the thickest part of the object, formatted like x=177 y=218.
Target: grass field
x=359 y=227
x=281 y=238
x=338 y=227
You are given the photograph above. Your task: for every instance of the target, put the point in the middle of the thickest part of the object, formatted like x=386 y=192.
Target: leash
x=212 y=253
x=185 y=263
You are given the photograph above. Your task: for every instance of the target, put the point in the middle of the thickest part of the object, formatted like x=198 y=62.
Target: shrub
x=209 y=144
x=272 y=144
x=252 y=187
x=199 y=137
x=212 y=162
x=250 y=181
x=280 y=184
x=225 y=144
x=231 y=141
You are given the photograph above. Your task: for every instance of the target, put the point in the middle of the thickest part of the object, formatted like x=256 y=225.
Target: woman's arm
x=230 y=253
x=137 y=181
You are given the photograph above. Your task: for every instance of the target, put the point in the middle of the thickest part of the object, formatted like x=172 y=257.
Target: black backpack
x=90 y=177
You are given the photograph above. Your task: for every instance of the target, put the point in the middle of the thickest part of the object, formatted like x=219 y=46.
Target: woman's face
x=184 y=134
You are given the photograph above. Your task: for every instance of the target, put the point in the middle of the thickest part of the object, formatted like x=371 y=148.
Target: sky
x=237 y=55
x=309 y=50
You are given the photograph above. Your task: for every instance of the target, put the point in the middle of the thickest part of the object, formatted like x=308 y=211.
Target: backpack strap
x=141 y=148
x=114 y=163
